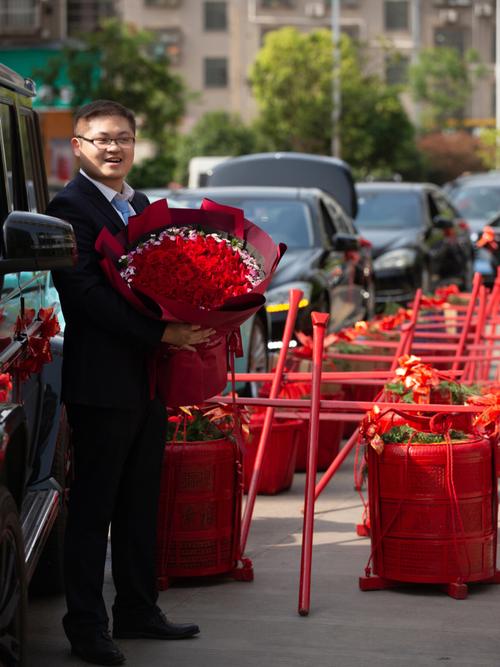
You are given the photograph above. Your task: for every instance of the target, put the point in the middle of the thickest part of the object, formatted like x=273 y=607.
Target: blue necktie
x=122 y=206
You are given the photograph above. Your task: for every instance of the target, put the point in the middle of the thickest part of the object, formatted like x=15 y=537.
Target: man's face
x=111 y=164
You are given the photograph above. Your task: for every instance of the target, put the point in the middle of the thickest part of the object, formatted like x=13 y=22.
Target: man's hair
x=103 y=108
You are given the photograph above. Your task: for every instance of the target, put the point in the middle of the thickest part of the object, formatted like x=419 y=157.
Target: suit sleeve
x=84 y=291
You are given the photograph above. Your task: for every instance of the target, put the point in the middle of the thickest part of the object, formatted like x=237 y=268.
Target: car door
x=340 y=268
x=451 y=253
x=21 y=293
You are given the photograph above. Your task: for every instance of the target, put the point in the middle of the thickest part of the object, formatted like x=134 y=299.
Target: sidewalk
x=256 y=624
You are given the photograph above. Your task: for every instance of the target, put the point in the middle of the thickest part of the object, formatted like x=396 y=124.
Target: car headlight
x=277 y=299
x=395 y=259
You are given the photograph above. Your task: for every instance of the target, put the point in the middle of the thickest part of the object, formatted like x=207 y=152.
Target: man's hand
x=185 y=336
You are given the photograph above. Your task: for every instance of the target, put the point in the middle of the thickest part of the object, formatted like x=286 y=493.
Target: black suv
x=34 y=435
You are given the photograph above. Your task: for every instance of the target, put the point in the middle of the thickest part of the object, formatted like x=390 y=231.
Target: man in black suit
x=118 y=431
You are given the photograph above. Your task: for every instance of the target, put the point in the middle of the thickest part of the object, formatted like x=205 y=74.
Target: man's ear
x=75 y=145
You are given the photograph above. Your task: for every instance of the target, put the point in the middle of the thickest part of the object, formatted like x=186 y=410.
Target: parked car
x=477 y=198
x=325 y=257
x=289 y=169
x=418 y=239
x=33 y=427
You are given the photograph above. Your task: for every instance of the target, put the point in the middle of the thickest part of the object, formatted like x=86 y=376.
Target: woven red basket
x=433 y=511
x=278 y=465
x=200 y=509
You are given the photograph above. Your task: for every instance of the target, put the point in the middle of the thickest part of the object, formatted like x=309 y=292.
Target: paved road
x=256 y=624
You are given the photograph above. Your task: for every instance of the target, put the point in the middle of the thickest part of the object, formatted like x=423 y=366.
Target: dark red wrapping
x=181 y=377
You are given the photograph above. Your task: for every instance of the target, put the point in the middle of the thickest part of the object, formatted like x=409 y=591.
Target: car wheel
x=48 y=576
x=426 y=282
x=467 y=277
x=370 y=305
x=13 y=586
x=257 y=354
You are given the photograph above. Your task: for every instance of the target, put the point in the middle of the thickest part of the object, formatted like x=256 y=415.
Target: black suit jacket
x=106 y=341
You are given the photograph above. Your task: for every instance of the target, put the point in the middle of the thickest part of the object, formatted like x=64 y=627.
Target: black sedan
x=326 y=258
x=418 y=238
x=477 y=198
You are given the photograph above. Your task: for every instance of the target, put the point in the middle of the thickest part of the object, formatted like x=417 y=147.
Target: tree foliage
x=443 y=80
x=216 y=133
x=292 y=83
x=114 y=62
x=449 y=154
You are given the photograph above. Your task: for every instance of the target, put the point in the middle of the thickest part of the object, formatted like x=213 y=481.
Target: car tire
x=48 y=578
x=426 y=281
x=13 y=577
x=370 y=307
x=258 y=359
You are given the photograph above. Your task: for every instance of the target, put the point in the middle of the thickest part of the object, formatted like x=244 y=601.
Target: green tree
x=216 y=133
x=443 y=80
x=115 y=62
x=292 y=83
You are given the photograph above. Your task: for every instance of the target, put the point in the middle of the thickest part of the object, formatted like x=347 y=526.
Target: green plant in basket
x=195 y=423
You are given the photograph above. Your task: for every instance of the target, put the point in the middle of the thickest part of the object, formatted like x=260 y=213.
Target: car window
x=286 y=221
x=388 y=209
x=477 y=201
x=6 y=158
x=443 y=206
x=30 y=161
x=338 y=218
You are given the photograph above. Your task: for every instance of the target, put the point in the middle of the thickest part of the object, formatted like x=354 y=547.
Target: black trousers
x=117 y=463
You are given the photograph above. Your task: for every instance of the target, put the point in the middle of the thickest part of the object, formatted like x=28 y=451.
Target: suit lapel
x=96 y=199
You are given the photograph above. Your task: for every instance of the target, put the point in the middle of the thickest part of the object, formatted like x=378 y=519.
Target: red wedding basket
x=200 y=512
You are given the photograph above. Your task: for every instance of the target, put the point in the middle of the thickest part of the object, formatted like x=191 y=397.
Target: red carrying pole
x=319 y=322
x=294 y=299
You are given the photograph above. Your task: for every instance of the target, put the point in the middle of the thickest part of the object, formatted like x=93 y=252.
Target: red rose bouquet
x=208 y=267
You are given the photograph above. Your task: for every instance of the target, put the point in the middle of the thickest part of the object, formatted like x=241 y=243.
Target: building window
x=86 y=17
x=216 y=72
x=452 y=37
x=396 y=70
x=170 y=4
x=352 y=30
x=343 y=3
x=18 y=15
x=396 y=14
x=277 y=4
x=215 y=15
x=452 y=3
x=168 y=43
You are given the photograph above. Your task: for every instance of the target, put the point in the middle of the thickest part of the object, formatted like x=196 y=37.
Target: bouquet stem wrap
x=183 y=377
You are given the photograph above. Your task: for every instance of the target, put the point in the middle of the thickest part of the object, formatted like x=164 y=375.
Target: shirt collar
x=126 y=194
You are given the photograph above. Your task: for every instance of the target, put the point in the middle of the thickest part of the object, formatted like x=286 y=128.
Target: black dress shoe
x=157 y=627
x=98 y=649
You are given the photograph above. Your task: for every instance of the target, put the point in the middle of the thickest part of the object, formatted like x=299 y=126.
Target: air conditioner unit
x=315 y=9
x=448 y=16
x=483 y=9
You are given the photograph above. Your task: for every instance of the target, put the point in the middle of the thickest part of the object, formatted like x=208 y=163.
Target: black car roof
x=238 y=191
x=396 y=187
x=15 y=81
x=288 y=168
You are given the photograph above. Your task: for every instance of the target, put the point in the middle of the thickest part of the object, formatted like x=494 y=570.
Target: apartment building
x=212 y=43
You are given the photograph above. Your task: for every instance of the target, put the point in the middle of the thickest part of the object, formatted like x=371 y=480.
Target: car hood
x=477 y=224
x=295 y=265
x=383 y=240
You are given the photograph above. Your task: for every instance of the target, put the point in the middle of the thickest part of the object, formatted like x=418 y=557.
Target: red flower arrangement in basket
x=208 y=267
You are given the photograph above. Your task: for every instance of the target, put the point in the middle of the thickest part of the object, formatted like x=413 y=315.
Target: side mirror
x=36 y=242
x=345 y=242
x=442 y=223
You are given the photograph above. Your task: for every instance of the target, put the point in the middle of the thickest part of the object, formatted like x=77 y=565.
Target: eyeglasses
x=123 y=142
